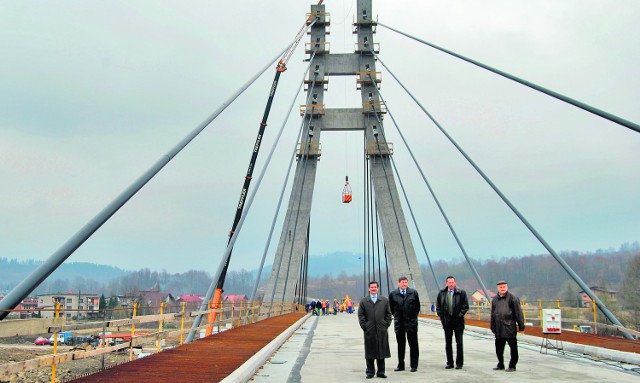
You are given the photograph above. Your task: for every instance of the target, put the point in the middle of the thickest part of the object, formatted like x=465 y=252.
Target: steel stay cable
x=304 y=157
x=435 y=279
x=15 y=296
x=273 y=223
x=544 y=243
x=375 y=205
x=294 y=186
x=435 y=198
x=372 y=216
x=232 y=240
x=393 y=204
x=220 y=273
x=611 y=117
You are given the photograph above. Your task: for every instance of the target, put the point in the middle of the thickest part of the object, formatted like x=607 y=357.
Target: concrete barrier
x=249 y=368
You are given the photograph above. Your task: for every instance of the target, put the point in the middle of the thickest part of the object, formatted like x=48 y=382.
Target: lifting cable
x=377 y=231
x=365 y=254
x=561 y=261
x=611 y=117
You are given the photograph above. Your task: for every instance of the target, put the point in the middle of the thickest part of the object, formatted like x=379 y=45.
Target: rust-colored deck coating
x=209 y=359
x=610 y=342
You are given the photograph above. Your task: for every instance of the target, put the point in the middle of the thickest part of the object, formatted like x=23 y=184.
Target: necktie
x=374 y=298
x=402 y=292
x=449 y=305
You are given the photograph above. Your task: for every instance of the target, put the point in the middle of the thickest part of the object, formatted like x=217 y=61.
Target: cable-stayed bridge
x=383 y=216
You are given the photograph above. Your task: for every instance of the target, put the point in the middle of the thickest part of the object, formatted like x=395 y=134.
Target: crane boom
x=282 y=64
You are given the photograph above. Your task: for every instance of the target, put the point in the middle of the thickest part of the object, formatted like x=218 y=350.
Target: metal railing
x=171 y=326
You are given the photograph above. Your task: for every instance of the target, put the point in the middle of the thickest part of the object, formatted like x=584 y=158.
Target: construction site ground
x=16 y=349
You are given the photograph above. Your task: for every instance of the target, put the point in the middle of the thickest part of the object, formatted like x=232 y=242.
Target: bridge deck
x=207 y=360
x=331 y=349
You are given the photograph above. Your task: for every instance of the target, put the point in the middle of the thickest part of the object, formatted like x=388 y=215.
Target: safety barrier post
x=133 y=330
x=184 y=305
x=558 y=302
x=595 y=317
x=233 y=311
x=540 y=305
x=478 y=310
x=160 y=326
x=55 y=346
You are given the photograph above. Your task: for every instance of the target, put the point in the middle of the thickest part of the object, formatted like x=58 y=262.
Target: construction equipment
x=281 y=67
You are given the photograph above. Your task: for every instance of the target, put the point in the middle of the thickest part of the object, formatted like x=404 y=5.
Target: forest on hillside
x=533 y=276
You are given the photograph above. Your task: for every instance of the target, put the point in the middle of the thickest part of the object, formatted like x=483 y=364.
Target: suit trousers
x=402 y=336
x=371 y=368
x=448 y=337
x=513 y=347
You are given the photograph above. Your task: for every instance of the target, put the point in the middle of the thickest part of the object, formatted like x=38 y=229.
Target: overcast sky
x=93 y=93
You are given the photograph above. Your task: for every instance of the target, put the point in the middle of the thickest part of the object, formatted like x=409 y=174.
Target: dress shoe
x=448 y=366
x=458 y=367
x=381 y=375
x=414 y=369
x=498 y=368
x=399 y=369
x=510 y=369
x=369 y=376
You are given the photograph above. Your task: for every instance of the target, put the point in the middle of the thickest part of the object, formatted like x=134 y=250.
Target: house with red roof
x=478 y=297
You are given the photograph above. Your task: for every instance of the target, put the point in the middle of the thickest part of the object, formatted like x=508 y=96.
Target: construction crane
x=281 y=67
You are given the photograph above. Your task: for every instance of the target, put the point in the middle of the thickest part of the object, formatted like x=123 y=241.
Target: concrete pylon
x=401 y=256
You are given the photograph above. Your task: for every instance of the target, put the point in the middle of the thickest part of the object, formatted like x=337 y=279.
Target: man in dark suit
x=374 y=316
x=451 y=306
x=405 y=307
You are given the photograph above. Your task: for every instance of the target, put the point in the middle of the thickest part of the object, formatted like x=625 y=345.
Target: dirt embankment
x=18 y=349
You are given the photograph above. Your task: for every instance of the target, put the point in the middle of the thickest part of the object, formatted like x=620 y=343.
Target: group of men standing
x=403 y=305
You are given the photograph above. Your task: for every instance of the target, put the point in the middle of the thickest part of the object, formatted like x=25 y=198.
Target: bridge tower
x=289 y=262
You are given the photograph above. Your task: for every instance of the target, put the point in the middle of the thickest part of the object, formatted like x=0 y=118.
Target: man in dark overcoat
x=451 y=306
x=507 y=320
x=374 y=316
x=405 y=307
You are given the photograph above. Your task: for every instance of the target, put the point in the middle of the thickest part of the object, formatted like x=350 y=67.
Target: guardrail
x=574 y=316
x=227 y=317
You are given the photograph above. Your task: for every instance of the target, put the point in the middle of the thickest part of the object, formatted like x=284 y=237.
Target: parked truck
x=63 y=337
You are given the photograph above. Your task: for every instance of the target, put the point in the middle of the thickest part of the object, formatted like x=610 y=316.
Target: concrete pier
x=330 y=348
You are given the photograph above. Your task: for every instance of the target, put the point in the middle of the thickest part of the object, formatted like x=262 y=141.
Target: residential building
x=72 y=305
x=24 y=309
x=478 y=297
x=600 y=292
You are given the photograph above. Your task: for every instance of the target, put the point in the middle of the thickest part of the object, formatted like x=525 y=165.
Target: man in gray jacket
x=506 y=320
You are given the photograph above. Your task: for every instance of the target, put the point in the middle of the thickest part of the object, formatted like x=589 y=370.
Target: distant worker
x=374 y=316
x=451 y=306
x=506 y=320
x=405 y=307
x=349 y=305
